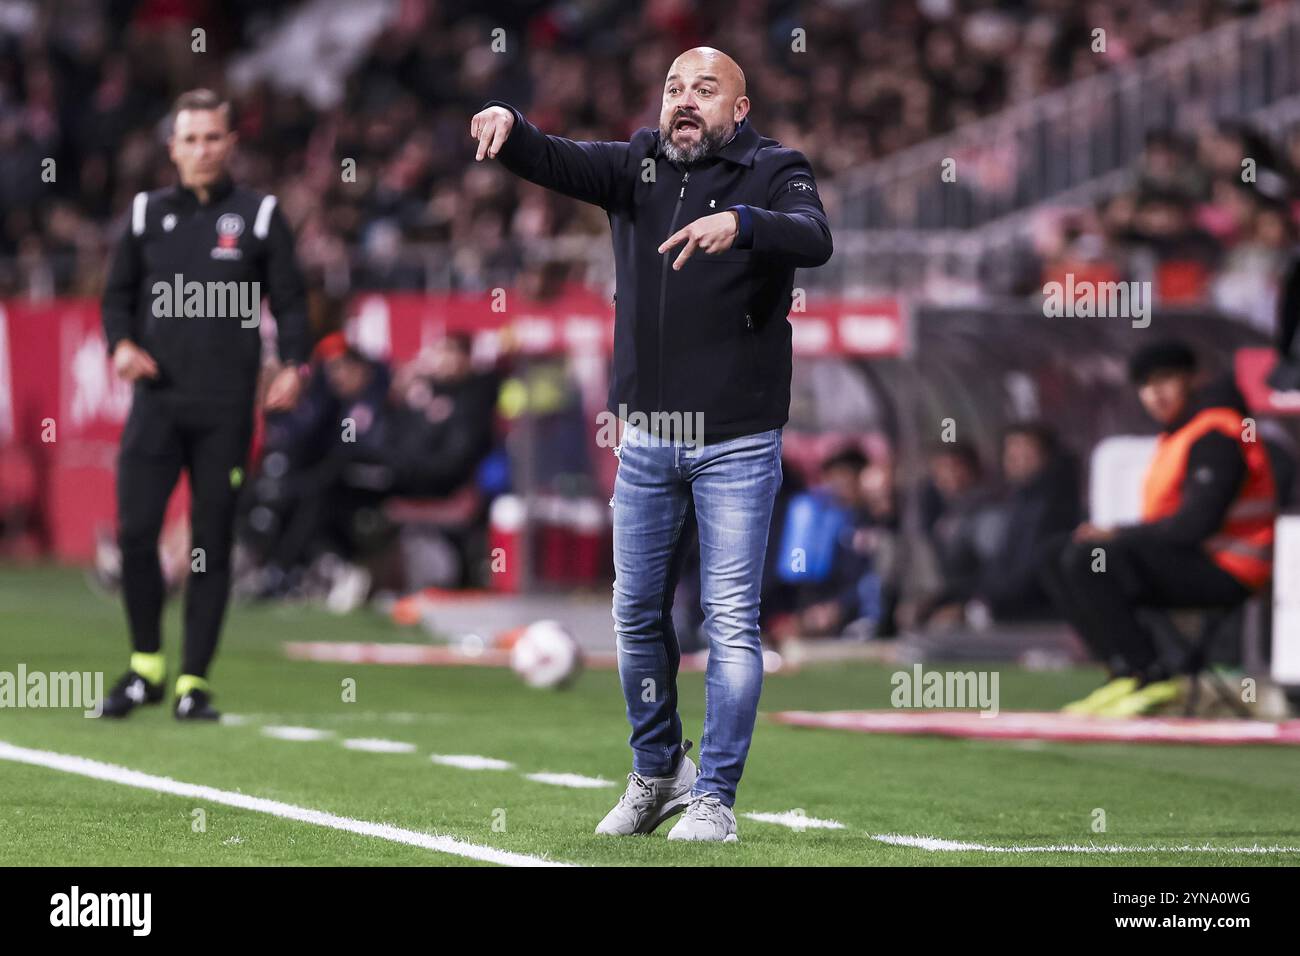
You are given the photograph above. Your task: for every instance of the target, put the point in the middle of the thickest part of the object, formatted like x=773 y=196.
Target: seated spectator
x=1183 y=253
x=1249 y=282
x=1041 y=501
x=1163 y=166
x=959 y=520
x=831 y=549
x=445 y=419
x=1206 y=535
x=324 y=474
x=880 y=536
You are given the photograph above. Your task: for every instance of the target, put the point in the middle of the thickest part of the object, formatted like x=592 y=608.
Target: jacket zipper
x=663 y=289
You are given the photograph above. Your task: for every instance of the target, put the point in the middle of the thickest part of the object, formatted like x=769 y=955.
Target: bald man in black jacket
x=709 y=222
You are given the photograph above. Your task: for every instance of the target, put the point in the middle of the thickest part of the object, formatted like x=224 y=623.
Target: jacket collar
x=740 y=149
x=219 y=191
x=742 y=146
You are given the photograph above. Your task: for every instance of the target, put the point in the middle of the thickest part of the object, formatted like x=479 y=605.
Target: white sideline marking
x=471 y=762
x=794 y=820
x=570 y=780
x=85 y=767
x=377 y=745
x=933 y=844
x=296 y=733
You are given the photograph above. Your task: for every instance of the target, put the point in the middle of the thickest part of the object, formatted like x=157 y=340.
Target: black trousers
x=1102 y=605
x=165 y=433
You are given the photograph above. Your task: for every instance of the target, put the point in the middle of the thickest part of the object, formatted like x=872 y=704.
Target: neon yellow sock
x=152 y=667
x=188 y=682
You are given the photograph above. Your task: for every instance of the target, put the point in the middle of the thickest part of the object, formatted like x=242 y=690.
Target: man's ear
x=741 y=109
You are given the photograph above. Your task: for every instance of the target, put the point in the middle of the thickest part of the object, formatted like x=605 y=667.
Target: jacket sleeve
x=285 y=289
x=793 y=227
x=119 y=304
x=1215 y=471
x=586 y=171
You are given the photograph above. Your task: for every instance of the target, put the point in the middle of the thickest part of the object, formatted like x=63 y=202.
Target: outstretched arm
x=587 y=171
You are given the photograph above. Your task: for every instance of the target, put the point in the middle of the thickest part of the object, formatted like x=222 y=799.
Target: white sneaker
x=649 y=801
x=706 y=818
x=348 y=589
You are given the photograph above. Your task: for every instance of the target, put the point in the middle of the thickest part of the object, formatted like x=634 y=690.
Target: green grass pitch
x=991 y=793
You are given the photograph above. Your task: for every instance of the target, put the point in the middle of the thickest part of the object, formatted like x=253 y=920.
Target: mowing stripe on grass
x=297 y=733
x=935 y=845
x=85 y=767
x=576 y=780
x=471 y=762
x=795 y=820
x=378 y=745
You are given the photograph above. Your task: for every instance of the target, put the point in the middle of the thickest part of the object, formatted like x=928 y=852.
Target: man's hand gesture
x=491 y=127
x=711 y=234
x=132 y=362
x=282 y=394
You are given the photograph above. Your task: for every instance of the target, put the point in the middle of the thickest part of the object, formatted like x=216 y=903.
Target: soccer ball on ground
x=546 y=655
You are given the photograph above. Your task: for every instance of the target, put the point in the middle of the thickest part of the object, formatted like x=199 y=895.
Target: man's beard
x=711 y=139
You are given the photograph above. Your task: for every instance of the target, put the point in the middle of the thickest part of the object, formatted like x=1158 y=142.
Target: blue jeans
x=731 y=485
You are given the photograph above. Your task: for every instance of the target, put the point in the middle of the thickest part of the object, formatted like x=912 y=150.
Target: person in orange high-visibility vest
x=1205 y=538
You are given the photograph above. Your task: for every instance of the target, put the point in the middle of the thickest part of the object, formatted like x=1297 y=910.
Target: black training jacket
x=240 y=236
x=714 y=337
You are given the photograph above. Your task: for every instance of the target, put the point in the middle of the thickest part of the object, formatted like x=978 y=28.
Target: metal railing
x=1063 y=140
x=953 y=261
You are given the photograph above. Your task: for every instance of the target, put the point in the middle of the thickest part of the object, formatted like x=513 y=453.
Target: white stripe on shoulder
x=263 y=223
x=137 y=213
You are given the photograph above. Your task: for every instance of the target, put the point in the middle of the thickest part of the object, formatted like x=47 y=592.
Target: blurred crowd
x=87 y=84
x=1206 y=219
x=315 y=516
x=841 y=563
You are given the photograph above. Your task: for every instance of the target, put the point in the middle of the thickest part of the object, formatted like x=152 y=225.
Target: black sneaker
x=196 y=705
x=130 y=692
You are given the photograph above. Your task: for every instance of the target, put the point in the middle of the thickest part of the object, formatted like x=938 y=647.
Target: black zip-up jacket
x=239 y=236
x=713 y=338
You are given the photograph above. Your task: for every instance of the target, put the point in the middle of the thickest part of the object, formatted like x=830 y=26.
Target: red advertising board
x=61 y=405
